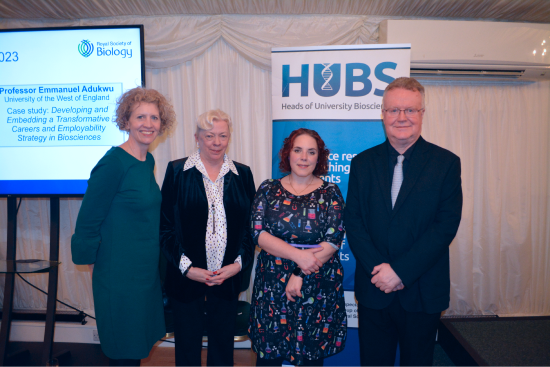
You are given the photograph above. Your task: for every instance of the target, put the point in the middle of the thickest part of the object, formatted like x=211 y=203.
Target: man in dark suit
x=402 y=211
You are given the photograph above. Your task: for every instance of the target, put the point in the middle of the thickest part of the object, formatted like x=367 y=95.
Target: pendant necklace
x=299 y=192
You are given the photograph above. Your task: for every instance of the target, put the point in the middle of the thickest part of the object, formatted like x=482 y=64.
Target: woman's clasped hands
x=212 y=278
x=309 y=263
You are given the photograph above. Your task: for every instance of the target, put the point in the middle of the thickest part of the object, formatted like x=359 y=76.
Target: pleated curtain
x=500 y=259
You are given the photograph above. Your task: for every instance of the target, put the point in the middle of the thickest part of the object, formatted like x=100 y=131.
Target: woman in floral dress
x=298 y=310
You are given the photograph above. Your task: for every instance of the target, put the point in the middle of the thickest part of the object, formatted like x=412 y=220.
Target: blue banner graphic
x=336 y=91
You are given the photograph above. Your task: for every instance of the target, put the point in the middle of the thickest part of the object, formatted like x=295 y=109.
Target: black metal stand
x=52 y=282
x=10 y=281
x=7 y=307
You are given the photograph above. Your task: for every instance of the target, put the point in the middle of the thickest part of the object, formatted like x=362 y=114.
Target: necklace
x=132 y=150
x=133 y=153
x=304 y=189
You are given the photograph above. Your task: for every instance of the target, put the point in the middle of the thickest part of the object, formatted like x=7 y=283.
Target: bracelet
x=186 y=271
x=298 y=272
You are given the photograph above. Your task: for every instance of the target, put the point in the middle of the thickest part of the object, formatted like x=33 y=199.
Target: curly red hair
x=322 y=163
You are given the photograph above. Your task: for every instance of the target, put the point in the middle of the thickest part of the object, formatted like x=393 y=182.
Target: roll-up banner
x=336 y=91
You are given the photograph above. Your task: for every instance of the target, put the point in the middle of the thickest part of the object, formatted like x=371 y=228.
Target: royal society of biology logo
x=85 y=48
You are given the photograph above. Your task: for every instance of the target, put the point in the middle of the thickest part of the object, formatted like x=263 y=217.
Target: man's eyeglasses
x=409 y=112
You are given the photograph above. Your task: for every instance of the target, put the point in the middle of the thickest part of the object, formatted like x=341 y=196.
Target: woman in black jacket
x=206 y=201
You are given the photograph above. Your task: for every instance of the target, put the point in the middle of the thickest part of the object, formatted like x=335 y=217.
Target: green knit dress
x=117 y=229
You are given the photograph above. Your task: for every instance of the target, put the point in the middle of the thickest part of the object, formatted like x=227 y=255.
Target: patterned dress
x=315 y=325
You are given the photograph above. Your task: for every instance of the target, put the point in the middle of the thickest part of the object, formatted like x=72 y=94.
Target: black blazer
x=414 y=237
x=184 y=215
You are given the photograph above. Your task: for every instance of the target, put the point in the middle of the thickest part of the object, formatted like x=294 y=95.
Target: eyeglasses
x=409 y=112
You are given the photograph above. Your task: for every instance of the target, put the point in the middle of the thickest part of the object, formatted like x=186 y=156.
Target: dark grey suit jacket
x=414 y=237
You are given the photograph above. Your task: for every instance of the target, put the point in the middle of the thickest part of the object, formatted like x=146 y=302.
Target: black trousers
x=189 y=323
x=279 y=361
x=381 y=330
x=124 y=362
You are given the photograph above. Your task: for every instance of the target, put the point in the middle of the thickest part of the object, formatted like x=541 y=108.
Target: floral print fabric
x=315 y=325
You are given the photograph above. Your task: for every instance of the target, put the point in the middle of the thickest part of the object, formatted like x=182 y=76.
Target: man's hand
x=399 y=287
x=293 y=288
x=385 y=278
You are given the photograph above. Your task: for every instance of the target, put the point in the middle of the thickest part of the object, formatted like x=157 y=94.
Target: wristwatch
x=298 y=272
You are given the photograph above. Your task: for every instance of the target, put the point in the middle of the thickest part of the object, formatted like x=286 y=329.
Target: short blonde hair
x=206 y=120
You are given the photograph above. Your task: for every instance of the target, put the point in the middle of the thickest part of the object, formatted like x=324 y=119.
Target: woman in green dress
x=117 y=231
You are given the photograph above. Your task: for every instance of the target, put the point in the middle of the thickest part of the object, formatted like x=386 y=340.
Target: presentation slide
x=58 y=93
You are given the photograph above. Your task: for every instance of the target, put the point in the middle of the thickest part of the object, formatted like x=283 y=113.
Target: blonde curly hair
x=132 y=98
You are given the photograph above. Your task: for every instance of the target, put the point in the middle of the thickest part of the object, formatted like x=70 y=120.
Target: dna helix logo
x=85 y=48
x=326 y=73
x=326 y=79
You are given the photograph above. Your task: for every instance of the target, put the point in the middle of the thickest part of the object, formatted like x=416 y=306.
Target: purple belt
x=304 y=246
